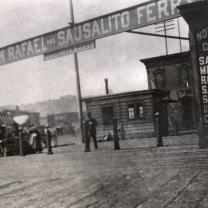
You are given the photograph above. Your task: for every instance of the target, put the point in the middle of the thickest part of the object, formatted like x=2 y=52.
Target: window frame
x=136 y=105
x=159 y=71
x=184 y=68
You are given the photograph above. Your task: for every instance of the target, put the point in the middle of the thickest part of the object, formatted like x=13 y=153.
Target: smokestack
x=106 y=86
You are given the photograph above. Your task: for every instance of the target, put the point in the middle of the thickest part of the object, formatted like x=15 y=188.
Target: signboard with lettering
x=196 y=16
x=202 y=47
x=69 y=50
x=120 y=21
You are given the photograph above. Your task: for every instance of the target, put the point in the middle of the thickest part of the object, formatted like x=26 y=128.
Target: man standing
x=38 y=141
x=90 y=131
x=48 y=140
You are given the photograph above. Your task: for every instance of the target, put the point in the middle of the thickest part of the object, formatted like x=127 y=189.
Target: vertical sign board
x=202 y=49
x=134 y=17
x=196 y=14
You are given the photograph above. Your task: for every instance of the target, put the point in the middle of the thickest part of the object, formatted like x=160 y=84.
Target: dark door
x=161 y=108
x=163 y=119
x=187 y=105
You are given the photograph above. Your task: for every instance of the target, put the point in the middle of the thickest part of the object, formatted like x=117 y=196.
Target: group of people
x=34 y=138
x=38 y=137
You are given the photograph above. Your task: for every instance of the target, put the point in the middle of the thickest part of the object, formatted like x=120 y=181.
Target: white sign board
x=20 y=120
x=69 y=50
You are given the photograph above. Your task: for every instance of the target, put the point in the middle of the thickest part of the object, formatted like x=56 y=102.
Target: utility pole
x=166 y=40
x=79 y=95
x=179 y=34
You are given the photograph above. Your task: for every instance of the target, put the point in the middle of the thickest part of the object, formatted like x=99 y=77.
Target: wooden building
x=174 y=73
x=6 y=119
x=134 y=111
x=170 y=93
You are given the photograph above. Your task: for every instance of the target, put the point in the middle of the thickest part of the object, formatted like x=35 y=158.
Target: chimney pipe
x=106 y=86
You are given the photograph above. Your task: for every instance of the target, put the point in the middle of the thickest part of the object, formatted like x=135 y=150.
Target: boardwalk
x=138 y=176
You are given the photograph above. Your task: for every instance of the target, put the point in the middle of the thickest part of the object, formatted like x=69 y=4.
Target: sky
x=115 y=57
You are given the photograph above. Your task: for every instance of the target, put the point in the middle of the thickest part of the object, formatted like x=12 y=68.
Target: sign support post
x=79 y=95
x=196 y=16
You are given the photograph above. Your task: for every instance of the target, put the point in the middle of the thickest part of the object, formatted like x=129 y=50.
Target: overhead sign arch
x=110 y=24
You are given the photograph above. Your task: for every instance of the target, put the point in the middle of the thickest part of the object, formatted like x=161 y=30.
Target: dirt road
x=138 y=175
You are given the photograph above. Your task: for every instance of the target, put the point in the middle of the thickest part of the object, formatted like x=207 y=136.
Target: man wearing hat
x=90 y=130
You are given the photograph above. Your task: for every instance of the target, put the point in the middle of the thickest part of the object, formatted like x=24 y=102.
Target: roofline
x=116 y=95
x=156 y=58
x=21 y=111
x=193 y=5
x=56 y=114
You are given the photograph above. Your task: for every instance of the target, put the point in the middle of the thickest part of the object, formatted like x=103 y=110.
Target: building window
x=141 y=111
x=135 y=111
x=131 y=111
x=108 y=115
x=184 y=77
x=160 y=79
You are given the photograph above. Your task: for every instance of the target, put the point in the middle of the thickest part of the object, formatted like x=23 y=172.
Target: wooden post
x=79 y=95
x=179 y=34
x=115 y=135
x=21 y=148
x=48 y=142
x=176 y=128
x=196 y=16
x=166 y=39
x=158 y=130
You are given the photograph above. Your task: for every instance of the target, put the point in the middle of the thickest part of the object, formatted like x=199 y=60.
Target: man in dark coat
x=38 y=141
x=48 y=140
x=90 y=131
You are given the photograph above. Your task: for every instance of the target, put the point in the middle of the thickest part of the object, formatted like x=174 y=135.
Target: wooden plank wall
x=172 y=77
x=130 y=128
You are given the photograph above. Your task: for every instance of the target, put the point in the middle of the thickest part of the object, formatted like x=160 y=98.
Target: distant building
x=64 y=120
x=43 y=121
x=133 y=110
x=34 y=117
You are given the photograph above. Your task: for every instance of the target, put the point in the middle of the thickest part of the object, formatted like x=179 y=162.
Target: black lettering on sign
x=206 y=118
x=205 y=108
x=202 y=47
